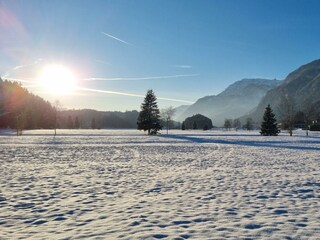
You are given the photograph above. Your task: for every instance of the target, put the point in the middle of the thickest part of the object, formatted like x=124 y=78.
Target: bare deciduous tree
x=287 y=111
x=309 y=113
x=56 y=107
x=236 y=123
x=167 y=114
x=227 y=124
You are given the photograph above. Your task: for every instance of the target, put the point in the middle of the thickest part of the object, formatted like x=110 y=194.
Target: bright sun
x=57 y=80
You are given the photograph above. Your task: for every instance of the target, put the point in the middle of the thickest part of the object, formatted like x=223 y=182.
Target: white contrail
x=132 y=95
x=7 y=74
x=115 y=38
x=141 y=78
x=104 y=91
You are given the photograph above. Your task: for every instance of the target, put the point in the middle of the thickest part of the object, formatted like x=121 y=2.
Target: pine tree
x=269 y=125
x=149 y=116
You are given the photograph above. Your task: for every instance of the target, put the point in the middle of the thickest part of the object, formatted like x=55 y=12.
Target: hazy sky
x=183 y=50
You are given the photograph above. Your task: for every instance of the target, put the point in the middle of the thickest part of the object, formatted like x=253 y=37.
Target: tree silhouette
x=93 y=123
x=70 y=123
x=149 y=116
x=249 y=124
x=236 y=123
x=183 y=126
x=269 y=125
x=76 y=123
x=194 y=125
x=227 y=124
x=287 y=112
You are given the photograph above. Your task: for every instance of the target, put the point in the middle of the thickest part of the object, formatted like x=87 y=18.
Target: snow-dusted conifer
x=269 y=125
x=149 y=116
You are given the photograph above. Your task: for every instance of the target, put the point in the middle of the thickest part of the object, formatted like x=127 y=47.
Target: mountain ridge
x=302 y=85
x=237 y=99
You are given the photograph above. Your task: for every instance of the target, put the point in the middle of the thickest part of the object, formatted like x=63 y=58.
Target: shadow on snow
x=251 y=143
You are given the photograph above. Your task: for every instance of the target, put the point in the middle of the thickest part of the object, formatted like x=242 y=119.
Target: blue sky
x=183 y=50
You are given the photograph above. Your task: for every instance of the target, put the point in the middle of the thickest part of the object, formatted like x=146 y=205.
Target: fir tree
x=183 y=127
x=149 y=116
x=269 y=125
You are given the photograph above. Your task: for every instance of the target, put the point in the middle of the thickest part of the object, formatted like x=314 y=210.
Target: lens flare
x=57 y=80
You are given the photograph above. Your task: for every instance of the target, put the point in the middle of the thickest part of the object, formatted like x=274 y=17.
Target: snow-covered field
x=187 y=185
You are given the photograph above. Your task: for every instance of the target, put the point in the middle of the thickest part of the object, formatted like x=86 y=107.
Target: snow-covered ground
x=187 y=185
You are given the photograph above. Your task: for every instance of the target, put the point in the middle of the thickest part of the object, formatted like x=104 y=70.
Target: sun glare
x=57 y=80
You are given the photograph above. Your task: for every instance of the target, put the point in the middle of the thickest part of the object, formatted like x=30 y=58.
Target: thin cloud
x=142 y=78
x=101 y=61
x=182 y=66
x=133 y=95
x=115 y=38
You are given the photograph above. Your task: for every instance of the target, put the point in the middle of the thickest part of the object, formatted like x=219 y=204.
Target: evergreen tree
x=249 y=124
x=70 y=123
x=93 y=123
x=149 y=116
x=194 y=125
x=76 y=123
x=183 y=126
x=269 y=125
x=197 y=121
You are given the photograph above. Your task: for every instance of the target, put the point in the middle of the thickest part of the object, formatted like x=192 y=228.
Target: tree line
x=149 y=118
x=20 y=109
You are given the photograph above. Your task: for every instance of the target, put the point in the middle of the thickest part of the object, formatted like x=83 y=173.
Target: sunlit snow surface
x=187 y=185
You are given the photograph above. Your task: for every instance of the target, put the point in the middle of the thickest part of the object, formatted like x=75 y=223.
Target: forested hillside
x=299 y=91
x=22 y=109
x=88 y=118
